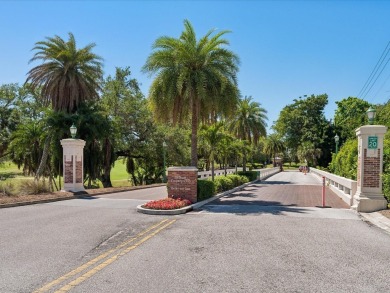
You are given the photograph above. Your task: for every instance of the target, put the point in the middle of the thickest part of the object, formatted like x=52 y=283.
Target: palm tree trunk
x=212 y=168
x=194 y=133
x=105 y=178
x=45 y=155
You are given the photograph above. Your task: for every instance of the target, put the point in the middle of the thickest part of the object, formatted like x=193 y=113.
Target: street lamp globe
x=73 y=130
x=336 y=138
x=371 y=115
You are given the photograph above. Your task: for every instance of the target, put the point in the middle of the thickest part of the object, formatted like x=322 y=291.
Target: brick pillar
x=182 y=182
x=369 y=196
x=73 y=164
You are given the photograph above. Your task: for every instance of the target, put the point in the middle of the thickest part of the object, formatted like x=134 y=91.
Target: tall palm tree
x=67 y=77
x=189 y=74
x=273 y=146
x=249 y=121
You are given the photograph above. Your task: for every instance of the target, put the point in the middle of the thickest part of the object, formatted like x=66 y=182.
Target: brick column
x=73 y=164
x=182 y=182
x=369 y=196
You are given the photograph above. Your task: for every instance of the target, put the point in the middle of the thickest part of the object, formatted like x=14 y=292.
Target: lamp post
x=164 y=172
x=73 y=130
x=336 y=139
x=371 y=115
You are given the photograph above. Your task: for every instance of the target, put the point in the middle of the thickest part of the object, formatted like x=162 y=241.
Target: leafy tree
x=350 y=114
x=309 y=153
x=67 y=77
x=304 y=121
x=190 y=74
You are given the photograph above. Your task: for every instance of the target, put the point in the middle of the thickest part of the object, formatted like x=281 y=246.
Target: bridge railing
x=207 y=174
x=264 y=173
x=343 y=187
x=267 y=172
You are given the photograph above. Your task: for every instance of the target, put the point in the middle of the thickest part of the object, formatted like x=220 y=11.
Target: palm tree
x=248 y=123
x=212 y=135
x=189 y=74
x=67 y=77
x=273 y=146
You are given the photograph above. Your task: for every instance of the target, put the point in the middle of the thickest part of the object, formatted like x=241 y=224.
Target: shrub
x=7 y=189
x=238 y=179
x=167 y=204
x=223 y=183
x=344 y=163
x=34 y=187
x=251 y=175
x=206 y=189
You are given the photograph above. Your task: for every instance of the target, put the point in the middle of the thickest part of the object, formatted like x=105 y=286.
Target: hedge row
x=208 y=188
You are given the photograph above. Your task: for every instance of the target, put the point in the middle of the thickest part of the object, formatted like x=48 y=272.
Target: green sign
x=372 y=142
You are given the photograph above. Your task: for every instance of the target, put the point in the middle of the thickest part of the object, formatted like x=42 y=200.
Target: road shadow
x=272 y=208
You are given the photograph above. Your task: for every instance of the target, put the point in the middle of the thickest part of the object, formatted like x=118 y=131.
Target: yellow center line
x=109 y=261
x=81 y=268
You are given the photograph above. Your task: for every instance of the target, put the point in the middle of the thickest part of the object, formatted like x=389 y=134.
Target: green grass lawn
x=10 y=172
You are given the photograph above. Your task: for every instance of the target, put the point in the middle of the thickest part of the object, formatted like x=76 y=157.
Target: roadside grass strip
x=98 y=263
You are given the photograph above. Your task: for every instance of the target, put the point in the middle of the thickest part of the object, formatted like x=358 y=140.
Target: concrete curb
x=378 y=220
x=193 y=206
x=184 y=210
x=75 y=196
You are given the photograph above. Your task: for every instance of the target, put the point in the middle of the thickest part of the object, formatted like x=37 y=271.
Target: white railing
x=264 y=173
x=343 y=187
x=207 y=174
x=267 y=172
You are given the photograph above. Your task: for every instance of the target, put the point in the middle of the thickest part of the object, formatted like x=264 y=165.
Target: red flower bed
x=167 y=204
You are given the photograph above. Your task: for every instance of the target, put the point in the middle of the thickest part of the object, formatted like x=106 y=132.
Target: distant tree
x=309 y=153
x=212 y=135
x=249 y=120
x=349 y=115
x=304 y=121
x=190 y=72
x=273 y=145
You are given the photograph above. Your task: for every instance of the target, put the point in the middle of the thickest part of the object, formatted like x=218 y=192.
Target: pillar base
x=73 y=188
x=369 y=203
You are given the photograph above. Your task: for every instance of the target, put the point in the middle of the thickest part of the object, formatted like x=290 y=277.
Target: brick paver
x=285 y=194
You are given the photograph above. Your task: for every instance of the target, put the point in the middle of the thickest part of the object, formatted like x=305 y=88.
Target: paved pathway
x=280 y=192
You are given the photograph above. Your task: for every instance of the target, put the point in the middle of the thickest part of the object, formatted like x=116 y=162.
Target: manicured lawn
x=10 y=172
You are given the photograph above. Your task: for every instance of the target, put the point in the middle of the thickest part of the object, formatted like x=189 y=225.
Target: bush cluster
x=208 y=188
x=251 y=175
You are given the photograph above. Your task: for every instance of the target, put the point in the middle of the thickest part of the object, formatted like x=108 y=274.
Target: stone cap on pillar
x=371 y=129
x=72 y=142
x=183 y=168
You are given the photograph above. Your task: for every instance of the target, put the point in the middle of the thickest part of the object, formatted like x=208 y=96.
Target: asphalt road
x=103 y=245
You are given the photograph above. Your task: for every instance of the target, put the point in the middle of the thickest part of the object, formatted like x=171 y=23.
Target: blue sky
x=287 y=48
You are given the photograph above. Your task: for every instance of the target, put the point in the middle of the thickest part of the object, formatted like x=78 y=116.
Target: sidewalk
x=378 y=220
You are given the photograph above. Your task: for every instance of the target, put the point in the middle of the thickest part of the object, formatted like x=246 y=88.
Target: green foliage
x=386 y=166
x=206 y=189
x=304 y=121
x=350 y=114
x=249 y=120
x=345 y=162
x=68 y=76
x=223 y=183
x=237 y=179
x=194 y=78
x=251 y=175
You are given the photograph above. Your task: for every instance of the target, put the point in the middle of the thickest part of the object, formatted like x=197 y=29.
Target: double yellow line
x=100 y=262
